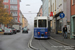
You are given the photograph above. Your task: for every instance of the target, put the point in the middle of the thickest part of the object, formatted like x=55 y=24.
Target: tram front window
x=41 y=23
x=35 y=23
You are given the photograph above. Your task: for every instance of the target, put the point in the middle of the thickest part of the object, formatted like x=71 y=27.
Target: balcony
x=13 y=9
x=13 y=3
x=14 y=14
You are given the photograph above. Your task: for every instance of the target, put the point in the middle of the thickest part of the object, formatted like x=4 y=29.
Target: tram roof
x=41 y=17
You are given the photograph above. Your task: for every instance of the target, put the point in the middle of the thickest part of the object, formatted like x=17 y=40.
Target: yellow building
x=24 y=22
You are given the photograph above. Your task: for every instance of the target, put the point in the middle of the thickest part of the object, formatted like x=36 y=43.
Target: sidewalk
x=61 y=39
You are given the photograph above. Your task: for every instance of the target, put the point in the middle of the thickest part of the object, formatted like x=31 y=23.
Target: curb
x=29 y=44
x=60 y=41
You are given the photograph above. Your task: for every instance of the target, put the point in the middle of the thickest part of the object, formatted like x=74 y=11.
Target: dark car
x=14 y=30
x=25 y=30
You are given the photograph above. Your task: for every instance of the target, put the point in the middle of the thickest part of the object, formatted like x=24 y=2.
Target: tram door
x=49 y=27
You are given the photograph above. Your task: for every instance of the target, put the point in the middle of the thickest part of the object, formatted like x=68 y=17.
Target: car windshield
x=12 y=28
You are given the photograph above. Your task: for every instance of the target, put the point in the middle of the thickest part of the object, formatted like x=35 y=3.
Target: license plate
x=42 y=37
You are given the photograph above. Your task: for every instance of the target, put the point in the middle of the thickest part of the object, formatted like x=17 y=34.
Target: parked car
x=1 y=31
x=25 y=30
x=8 y=31
x=14 y=30
x=17 y=27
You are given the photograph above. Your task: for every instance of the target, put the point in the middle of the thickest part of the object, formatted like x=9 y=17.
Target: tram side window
x=35 y=23
x=41 y=23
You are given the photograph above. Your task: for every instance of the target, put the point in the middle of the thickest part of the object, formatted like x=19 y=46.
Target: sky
x=33 y=8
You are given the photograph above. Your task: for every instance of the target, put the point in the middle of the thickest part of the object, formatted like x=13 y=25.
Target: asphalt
x=17 y=41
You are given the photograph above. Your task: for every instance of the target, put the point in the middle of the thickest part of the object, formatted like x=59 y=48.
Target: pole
x=56 y=24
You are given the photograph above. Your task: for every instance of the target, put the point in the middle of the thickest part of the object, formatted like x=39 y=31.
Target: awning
x=57 y=14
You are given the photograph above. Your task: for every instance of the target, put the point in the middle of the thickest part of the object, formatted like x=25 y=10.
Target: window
x=16 y=19
x=5 y=1
x=13 y=13
x=35 y=23
x=6 y=6
x=41 y=23
x=13 y=0
x=13 y=7
x=73 y=2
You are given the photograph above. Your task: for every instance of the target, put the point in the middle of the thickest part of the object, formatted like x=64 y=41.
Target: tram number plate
x=42 y=37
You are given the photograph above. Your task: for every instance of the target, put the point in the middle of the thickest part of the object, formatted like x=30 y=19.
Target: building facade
x=72 y=35
x=57 y=7
x=13 y=7
x=40 y=11
x=45 y=7
x=24 y=22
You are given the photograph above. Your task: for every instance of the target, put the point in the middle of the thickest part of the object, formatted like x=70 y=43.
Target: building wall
x=68 y=10
x=20 y=17
x=7 y=3
x=40 y=11
x=72 y=19
x=38 y=14
x=12 y=9
x=45 y=7
x=72 y=9
x=23 y=21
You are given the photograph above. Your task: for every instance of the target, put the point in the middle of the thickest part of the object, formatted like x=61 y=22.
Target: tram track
x=43 y=45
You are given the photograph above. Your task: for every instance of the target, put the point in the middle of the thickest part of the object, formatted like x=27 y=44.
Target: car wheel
x=15 y=32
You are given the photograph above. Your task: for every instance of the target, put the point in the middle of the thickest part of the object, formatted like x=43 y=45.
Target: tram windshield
x=42 y=23
x=35 y=23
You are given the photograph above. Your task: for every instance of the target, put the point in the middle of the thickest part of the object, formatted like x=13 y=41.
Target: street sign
x=62 y=15
x=51 y=14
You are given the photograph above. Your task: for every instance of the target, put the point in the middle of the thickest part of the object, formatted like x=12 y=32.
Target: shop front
x=59 y=26
x=58 y=23
x=72 y=35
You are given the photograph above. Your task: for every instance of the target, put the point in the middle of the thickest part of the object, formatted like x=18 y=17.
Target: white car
x=8 y=31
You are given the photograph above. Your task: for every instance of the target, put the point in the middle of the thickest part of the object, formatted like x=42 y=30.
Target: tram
x=41 y=27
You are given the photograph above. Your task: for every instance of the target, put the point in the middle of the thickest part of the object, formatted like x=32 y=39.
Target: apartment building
x=45 y=7
x=13 y=7
x=24 y=22
x=40 y=11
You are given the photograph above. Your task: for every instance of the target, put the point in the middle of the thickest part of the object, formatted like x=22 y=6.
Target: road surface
x=17 y=41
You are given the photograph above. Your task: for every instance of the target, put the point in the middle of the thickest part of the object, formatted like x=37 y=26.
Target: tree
x=5 y=17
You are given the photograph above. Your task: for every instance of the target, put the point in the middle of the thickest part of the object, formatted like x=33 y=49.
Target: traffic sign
x=62 y=15
x=51 y=14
